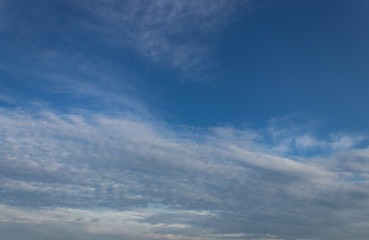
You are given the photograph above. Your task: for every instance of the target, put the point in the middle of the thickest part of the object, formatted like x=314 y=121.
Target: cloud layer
x=94 y=169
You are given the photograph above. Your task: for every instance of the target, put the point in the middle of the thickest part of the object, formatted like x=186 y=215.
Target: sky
x=184 y=120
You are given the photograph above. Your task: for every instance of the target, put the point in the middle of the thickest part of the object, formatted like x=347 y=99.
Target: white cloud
x=95 y=222
x=343 y=142
x=297 y=134
x=92 y=161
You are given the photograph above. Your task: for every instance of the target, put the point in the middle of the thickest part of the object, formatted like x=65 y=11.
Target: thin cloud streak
x=165 y=31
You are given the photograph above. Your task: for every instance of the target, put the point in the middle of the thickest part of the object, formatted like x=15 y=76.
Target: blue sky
x=189 y=120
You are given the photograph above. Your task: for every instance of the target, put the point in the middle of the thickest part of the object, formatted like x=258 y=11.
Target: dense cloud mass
x=94 y=169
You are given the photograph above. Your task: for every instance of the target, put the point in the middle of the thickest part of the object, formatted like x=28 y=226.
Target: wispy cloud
x=169 y=32
x=176 y=34
x=298 y=134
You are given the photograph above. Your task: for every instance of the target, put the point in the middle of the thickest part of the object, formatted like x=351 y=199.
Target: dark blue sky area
x=286 y=57
x=278 y=58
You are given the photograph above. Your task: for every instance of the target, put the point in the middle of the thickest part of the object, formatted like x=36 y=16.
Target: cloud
x=173 y=33
x=297 y=134
x=176 y=34
x=101 y=222
x=98 y=171
x=7 y=99
x=114 y=171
